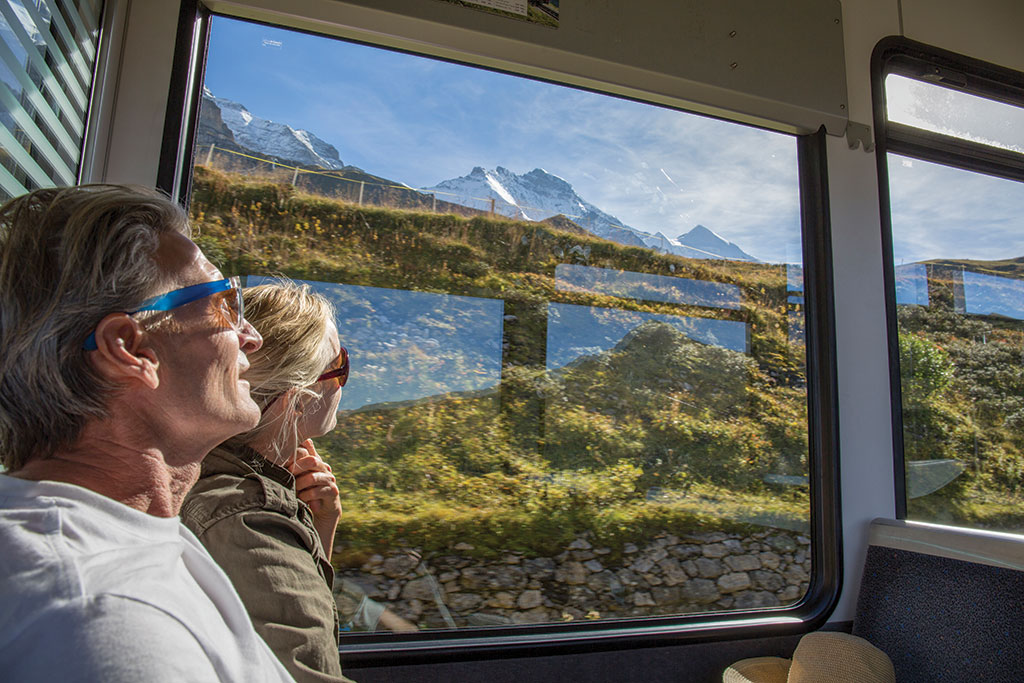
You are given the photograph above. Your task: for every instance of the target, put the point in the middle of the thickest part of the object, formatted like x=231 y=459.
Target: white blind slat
x=48 y=50
x=70 y=144
x=72 y=51
x=22 y=158
x=84 y=37
x=9 y=185
x=39 y=139
x=66 y=76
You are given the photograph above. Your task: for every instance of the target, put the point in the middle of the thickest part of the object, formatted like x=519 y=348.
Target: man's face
x=201 y=354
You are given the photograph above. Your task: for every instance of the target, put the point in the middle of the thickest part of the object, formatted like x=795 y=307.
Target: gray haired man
x=122 y=353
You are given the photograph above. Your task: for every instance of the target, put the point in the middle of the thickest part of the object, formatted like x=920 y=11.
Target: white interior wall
x=989 y=30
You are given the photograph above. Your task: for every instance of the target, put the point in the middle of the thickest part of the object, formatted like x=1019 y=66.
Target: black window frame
x=811 y=612
x=905 y=57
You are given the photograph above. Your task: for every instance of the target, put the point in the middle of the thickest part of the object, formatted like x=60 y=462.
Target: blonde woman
x=266 y=505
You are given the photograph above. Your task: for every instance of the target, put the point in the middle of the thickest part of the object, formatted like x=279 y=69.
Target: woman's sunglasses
x=338 y=370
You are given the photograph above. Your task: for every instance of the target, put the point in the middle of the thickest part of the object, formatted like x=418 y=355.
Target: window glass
x=958 y=247
x=47 y=53
x=952 y=112
x=575 y=322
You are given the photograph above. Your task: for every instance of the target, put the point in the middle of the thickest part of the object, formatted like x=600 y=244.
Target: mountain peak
x=707 y=240
x=538 y=195
x=270 y=138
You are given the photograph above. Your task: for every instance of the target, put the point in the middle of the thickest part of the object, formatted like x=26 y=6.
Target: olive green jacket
x=245 y=511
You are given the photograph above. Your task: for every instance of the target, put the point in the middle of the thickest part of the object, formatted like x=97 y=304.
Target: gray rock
x=690 y=567
x=419 y=589
x=464 y=602
x=790 y=594
x=642 y=565
x=399 y=565
x=709 y=569
x=666 y=596
x=742 y=563
x=700 y=591
x=769 y=581
x=539 y=568
x=628 y=577
x=714 y=550
x=752 y=599
x=795 y=574
x=530 y=599
x=672 y=572
x=658 y=554
x=502 y=600
x=770 y=560
x=643 y=599
x=593 y=566
x=537 y=615
x=605 y=582
x=782 y=544
x=580 y=544
x=730 y=583
x=572 y=573
x=629 y=549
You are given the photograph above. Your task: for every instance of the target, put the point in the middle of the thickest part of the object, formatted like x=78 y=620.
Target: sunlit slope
x=659 y=431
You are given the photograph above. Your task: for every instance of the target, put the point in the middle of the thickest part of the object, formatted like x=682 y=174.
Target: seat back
x=944 y=604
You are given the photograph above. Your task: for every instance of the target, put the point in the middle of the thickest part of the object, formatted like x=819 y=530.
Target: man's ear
x=124 y=353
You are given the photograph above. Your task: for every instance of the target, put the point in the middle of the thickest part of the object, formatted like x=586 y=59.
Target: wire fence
x=357 y=187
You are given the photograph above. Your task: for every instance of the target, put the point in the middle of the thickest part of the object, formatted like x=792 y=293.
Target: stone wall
x=669 y=575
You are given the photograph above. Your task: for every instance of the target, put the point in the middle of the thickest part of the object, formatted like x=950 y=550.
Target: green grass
x=660 y=433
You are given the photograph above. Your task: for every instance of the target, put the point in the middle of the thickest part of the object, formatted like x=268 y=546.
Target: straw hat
x=820 y=657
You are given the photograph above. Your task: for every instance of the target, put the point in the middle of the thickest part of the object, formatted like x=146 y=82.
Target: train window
x=954 y=166
x=579 y=386
x=47 y=53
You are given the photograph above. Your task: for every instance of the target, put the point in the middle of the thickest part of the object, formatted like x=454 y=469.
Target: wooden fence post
x=209 y=156
x=295 y=176
x=433 y=206
x=362 y=184
x=492 y=207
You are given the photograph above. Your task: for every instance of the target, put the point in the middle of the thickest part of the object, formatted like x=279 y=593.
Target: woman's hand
x=315 y=485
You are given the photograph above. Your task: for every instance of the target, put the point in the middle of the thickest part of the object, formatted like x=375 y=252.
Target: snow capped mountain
x=538 y=194
x=703 y=239
x=271 y=138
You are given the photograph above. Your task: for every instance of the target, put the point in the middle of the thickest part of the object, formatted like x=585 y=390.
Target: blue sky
x=420 y=121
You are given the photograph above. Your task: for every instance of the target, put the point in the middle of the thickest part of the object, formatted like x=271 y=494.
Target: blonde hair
x=68 y=257
x=293 y=321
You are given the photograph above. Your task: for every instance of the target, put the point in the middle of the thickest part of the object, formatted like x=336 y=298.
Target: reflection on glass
x=912 y=284
x=993 y=295
x=951 y=112
x=629 y=285
x=513 y=446
x=575 y=331
x=412 y=345
x=958 y=240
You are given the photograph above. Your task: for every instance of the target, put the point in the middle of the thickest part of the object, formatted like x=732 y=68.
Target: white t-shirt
x=93 y=590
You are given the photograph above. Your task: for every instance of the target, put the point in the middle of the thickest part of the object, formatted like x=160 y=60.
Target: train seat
x=944 y=604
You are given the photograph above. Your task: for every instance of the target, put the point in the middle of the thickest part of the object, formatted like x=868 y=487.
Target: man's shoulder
x=106 y=637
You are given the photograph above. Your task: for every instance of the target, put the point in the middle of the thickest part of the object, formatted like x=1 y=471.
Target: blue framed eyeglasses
x=228 y=292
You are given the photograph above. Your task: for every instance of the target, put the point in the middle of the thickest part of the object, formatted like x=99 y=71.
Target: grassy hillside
x=658 y=432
